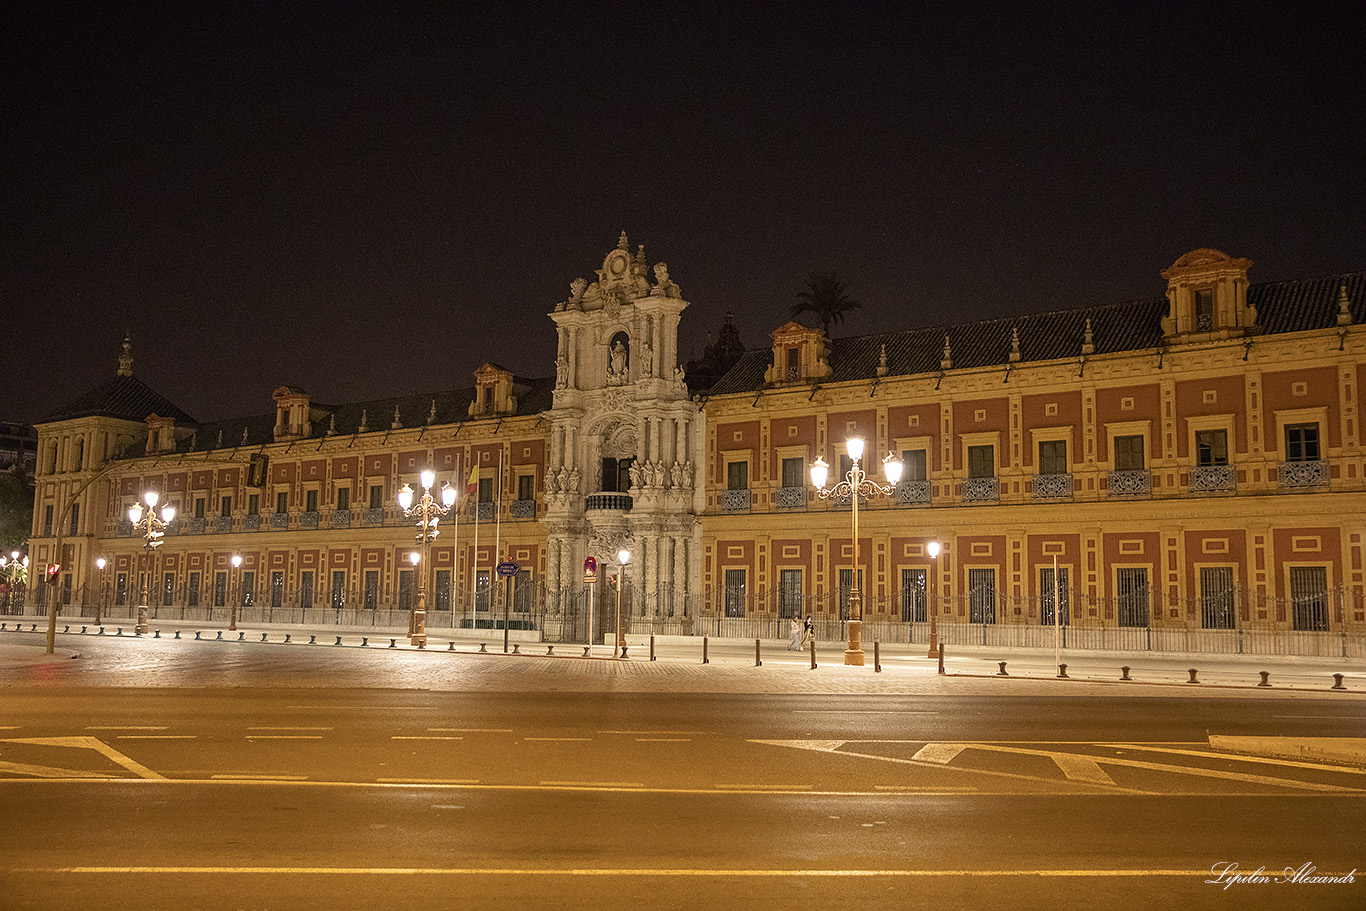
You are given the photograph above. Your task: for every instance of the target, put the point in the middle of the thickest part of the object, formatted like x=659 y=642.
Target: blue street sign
x=508 y=568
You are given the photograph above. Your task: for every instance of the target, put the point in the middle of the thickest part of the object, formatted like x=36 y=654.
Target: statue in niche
x=636 y=479
x=573 y=485
x=551 y=487
x=561 y=372
x=617 y=367
x=676 y=474
x=647 y=358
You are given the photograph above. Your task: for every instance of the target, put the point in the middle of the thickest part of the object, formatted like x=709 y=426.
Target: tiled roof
x=124 y=397
x=1289 y=306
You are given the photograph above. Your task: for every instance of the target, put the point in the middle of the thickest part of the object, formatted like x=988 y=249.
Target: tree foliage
x=16 y=508
x=827 y=298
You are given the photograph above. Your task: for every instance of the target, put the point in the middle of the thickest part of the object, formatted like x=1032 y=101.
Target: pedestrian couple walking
x=800 y=634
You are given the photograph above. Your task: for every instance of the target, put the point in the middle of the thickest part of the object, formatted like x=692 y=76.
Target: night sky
x=369 y=200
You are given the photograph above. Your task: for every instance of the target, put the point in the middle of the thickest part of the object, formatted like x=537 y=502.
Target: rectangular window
x=526 y=487
x=1047 y=591
x=282 y=502
x=220 y=589
x=371 y=589
x=199 y=507
x=226 y=504
x=376 y=496
x=735 y=593
x=1204 y=309
x=338 y=585
x=121 y=588
x=789 y=593
x=1216 y=597
x=1301 y=442
x=794 y=472
x=481 y=590
x=442 y=595
x=1132 y=602
x=1053 y=457
x=343 y=498
x=1309 y=597
x=982 y=595
x=913 y=600
x=1129 y=453
x=486 y=490
x=737 y=476
x=47 y=521
x=1211 y=447
x=192 y=590
x=277 y=589
x=253 y=504
x=167 y=589
x=306 y=585
x=248 y=594
x=75 y=519
x=981 y=461
x=405 y=589
x=914 y=465
x=310 y=501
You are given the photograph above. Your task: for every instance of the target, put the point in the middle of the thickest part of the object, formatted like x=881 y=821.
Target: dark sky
x=373 y=199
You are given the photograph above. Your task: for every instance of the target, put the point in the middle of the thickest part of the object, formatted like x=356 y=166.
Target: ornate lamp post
x=100 y=564
x=855 y=483
x=237 y=592
x=152 y=527
x=623 y=557
x=932 y=549
x=428 y=513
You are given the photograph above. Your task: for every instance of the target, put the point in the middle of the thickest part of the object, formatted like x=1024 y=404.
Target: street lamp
x=623 y=557
x=428 y=513
x=855 y=482
x=152 y=527
x=932 y=549
x=100 y=564
x=237 y=596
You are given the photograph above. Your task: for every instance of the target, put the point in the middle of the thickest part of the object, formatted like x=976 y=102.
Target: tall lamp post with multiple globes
x=623 y=557
x=150 y=526
x=855 y=483
x=428 y=513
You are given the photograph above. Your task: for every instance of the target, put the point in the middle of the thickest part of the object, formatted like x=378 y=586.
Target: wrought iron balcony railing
x=1213 y=478
x=1303 y=474
x=1130 y=483
x=981 y=490
x=913 y=492
x=1052 y=486
x=790 y=498
x=735 y=500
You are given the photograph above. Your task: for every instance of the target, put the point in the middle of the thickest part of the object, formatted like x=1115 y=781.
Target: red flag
x=472 y=485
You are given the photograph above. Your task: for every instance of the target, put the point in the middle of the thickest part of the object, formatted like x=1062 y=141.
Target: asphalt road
x=160 y=775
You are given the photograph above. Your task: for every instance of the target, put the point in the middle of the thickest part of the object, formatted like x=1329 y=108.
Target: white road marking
x=155 y=737
x=559 y=739
x=245 y=777
x=284 y=737
x=592 y=784
x=1239 y=757
x=428 y=780
x=287 y=728
x=42 y=771
x=859 y=712
x=126 y=727
x=423 y=737
x=940 y=753
x=698 y=733
x=1081 y=768
x=474 y=730
x=99 y=746
x=663 y=740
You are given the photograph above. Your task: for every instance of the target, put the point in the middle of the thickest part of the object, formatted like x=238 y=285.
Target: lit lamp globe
x=414 y=558
x=820 y=471
x=854 y=445
x=447 y=495
x=405 y=497
x=428 y=479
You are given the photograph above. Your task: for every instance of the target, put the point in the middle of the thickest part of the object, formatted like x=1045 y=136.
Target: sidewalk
x=685 y=656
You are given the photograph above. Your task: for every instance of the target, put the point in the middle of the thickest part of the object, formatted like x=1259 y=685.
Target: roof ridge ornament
x=882 y=361
x=946 y=362
x=1014 y=344
x=1344 y=311
x=1088 y=341
x=126 y=358
x=397 y=424
x=364 y=421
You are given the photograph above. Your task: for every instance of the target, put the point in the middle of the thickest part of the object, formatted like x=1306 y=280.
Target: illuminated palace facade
x=1179 y=472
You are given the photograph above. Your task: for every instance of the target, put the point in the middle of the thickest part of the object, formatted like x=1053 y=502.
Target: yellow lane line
x=423 y=737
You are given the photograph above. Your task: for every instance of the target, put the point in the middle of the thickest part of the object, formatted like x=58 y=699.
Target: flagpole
x=474 y=574
x=497 y=548
x=454 y=585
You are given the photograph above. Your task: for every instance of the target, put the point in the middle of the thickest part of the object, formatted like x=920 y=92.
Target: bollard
x=120 y=631
x=704 y=651
x=263 y=637
x=393 y=643
x=1062 y=671
x=1002 y=671
x=312 y=640
x=623 y=652
x=758 y=659
x=196 y=633
x=364 y=640
x=33 y=628
x=1124 y=673
x=177 y=634
x=241 y=636
x=1266 y=681
x=586 y=650
x=66 y=629
x=483 y=649
x=286 y=637
x=516 y=649
x=877 y=661
x=220 y=635
x=549 y=651
x=83 y=631
x=101 y=633
x=452 y=646
x=338 y=642
x=1337 y=682
x=652 y=646
x=941 y=658
x=157 y=634
x=1192 y=673
x=813 y=653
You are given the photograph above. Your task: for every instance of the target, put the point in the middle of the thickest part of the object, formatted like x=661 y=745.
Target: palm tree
x=825 y=297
